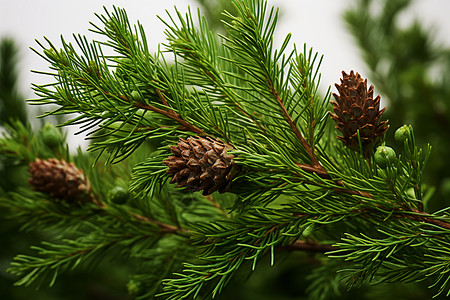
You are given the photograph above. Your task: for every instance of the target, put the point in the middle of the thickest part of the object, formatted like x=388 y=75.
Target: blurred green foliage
x=213 y=9
x=12 y=104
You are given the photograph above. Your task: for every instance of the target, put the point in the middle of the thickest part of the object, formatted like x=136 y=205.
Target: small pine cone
x=60 y=179
x=357 y=110
x=202 y=164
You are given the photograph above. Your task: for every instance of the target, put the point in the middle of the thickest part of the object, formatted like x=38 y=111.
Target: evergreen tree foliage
x=21 y=144
x=296 y=188
x=411 y=69
x=212 y=10
x=12 y=107
x=12 y=104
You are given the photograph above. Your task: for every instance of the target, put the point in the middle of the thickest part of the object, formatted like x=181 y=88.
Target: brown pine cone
x=60 y=179
x=357 y=111
x=202 y=164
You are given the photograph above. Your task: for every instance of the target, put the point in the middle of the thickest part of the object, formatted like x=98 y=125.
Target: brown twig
x=216 y=79
x=168 y=113
x=172 y=115
x=426 y=218
x=294 y=128
x=323 y=248
x=400 y=212
x=164 y=101
x=165 y=228
x=315 y=166
x=314 y=169
x=309 y=247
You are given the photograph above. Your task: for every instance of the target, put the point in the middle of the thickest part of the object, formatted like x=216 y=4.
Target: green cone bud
x=401 y=134
x=119 y=195
x=134 y=287
x=124 y=61
x=51 y=136
x=135 y=95
x=309 y=230
x=50 y=52
x=384 y=156
x=410 y=193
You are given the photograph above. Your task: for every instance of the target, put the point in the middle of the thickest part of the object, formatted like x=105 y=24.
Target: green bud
x=410 y=193
x=134 y=287
x=124 y=61
x=401 y=134
x=384 y=156
x=93 y=69
x=56 y=56
x=309 y=230
x=50 y=52
x=51 y=136
x=135 y=95
x=119 y=195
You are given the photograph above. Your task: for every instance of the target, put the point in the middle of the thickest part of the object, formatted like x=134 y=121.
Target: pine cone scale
x=175 y=150
x=201 y=164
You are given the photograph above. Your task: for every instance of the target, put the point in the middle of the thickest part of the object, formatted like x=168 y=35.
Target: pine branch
x=203 y=51
x=294 y=128
x=235 y=116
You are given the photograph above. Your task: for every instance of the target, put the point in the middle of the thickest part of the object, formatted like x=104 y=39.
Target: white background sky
x=317 y=23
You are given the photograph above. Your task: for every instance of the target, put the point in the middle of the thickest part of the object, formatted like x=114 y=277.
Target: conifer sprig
x=228 y=102
x=283 y=104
